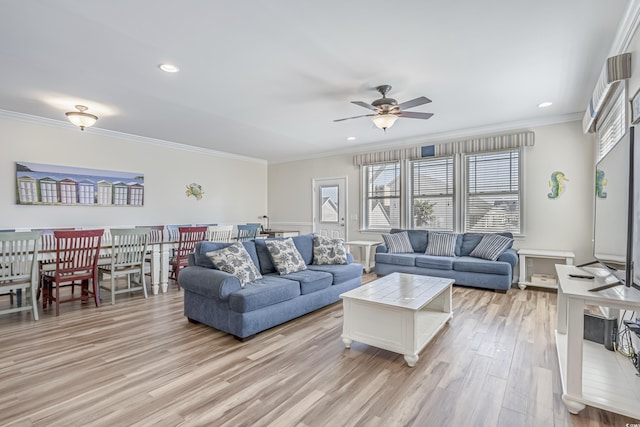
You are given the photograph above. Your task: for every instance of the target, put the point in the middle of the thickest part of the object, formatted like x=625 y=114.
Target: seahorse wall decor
x=556 y=184
x=601 y=182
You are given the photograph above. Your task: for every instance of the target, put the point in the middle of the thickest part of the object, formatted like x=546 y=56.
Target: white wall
x=564 y=223
x=235 y=187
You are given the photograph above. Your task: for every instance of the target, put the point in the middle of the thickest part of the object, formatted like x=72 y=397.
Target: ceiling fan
x=387 y=110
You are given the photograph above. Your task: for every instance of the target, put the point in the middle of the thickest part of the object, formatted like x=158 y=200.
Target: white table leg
x=367 y=258
x=411 y=359
x=155 y=268
x=575 y=333
x=164 y=269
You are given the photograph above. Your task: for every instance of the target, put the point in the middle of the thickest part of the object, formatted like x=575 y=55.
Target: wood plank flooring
x=140 y=363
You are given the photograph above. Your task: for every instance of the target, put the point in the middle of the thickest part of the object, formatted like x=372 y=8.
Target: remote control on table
x=580 y=276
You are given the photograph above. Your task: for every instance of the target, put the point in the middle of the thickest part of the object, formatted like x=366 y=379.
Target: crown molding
x=126 y=137
x=447 y=136
x=626 y=29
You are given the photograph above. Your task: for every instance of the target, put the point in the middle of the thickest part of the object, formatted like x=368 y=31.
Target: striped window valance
x=475 y=145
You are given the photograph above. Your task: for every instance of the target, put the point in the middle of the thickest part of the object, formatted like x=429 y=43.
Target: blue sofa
x=464 y=269
x=216 y=298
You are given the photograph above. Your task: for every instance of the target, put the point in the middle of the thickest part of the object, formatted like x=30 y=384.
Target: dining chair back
x=128 y=250
x=173 y=233
x=19 y=268
x=220 y=233
x=76 y=260
x=187 y=239
x=247 y=232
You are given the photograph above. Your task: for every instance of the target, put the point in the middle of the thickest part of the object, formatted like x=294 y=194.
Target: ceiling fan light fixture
x=384 y=121
x=80 y=118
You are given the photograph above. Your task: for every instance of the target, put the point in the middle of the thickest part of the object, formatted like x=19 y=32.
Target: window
x=432 y=194
x=382 y=196
x=613 y=125
x=492 y=198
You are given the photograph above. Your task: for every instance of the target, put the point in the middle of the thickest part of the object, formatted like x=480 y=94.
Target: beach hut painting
x=41 y=184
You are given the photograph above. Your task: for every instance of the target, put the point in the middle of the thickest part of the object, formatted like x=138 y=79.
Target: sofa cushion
x=200 y=253
x=397 y=243
x=442 y=244
x=263 y=293
x=234 y=259
x=328 y=251
x=418 y=238
x=340 y=273
x=478 y=265
x=436 y=262
x=311 y=281
x=471 y=240
x=398 y=259
x=285 y=256
x=491 y=247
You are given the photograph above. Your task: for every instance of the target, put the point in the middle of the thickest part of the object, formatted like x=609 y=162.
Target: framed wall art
x=41 y=184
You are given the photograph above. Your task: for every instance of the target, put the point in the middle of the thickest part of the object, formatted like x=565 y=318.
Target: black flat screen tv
x=616 y=220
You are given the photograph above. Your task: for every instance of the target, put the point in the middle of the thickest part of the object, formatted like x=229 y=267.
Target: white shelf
x=609 y=379
x=591 y=374
x=524 y=279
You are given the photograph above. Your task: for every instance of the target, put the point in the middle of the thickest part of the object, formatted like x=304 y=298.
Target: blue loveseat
x=464 y=269
x=217 y=299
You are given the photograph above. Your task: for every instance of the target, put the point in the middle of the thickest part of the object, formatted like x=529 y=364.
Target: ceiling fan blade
x=411 y=115
x=365 y=105
x=355 y=117
x=414 y=103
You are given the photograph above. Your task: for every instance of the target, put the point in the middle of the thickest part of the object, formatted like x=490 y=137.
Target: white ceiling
x=266 y=79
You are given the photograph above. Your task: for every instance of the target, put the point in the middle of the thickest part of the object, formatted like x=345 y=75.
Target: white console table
x=525 y=275
x=365 y=247
x=591 y=374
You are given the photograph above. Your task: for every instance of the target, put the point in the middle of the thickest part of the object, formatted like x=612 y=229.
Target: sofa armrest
x=209 y=282
x=510 y=256
x=381 y=249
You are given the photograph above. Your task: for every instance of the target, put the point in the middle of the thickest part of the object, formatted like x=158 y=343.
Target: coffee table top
x=404 y=290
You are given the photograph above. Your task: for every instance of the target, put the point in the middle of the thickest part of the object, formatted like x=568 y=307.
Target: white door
x=330 y=207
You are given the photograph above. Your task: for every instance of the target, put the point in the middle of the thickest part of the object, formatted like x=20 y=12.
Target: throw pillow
x=398 y=243
x=491 y=247
x=328 y=251
x=234 y=259
x=285 y=256
x=441 y=244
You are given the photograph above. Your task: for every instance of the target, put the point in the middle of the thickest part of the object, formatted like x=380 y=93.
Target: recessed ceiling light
x=351 y=138
x=545 y=104
x=169 y=68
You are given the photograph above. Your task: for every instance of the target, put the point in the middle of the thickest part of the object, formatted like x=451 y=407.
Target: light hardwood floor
x=141 y=363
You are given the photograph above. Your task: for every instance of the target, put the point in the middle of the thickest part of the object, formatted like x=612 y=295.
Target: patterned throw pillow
x=234 y=259
x=491 y=247
x=398 y=243
x=328 y=251
x=441 y=244
x=285 y=256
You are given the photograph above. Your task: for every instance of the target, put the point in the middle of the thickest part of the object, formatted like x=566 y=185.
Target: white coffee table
x=399 y=312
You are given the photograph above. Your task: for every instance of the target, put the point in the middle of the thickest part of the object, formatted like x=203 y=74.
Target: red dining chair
x=76 y=260
x=187 y=239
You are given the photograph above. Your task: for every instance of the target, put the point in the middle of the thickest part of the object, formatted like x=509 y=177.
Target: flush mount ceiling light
x=384 y=121
x=545 y=104
x=80 y=118
x=169 y=68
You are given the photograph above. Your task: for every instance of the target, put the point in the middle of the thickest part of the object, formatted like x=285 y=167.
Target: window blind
x=613 y=125
x=432 y=194
x=382 y=200
x=492 y=199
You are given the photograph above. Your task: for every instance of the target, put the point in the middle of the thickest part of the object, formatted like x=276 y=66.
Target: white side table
x=364 y=246
x=525 y=275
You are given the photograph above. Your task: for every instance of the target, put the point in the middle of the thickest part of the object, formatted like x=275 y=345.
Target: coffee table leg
x=347 y=342
x=411 y=359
